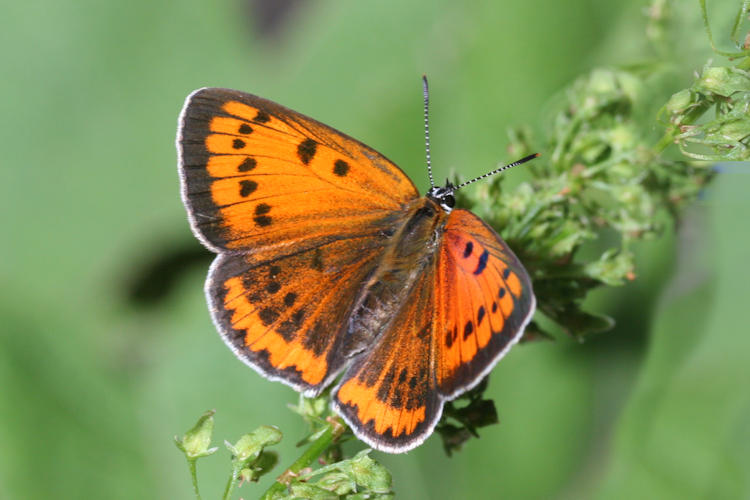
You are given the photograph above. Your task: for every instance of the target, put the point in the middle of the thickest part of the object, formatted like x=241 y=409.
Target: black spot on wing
x=468 y=329
x=482 y=262
x=261 y=218
x=238 y=144
x=340 y=168
x=262 y=221
x=261 y=117
x=246 y=129
x=289 y=327
x=268 y=315
x=450 y=336
x=306 y=150
x=480 y=316
x=247 y=188
x=247 y=165
x=468 y=249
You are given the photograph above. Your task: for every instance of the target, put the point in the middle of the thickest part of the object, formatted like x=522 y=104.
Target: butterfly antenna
x=497 y=170
x=426 y=93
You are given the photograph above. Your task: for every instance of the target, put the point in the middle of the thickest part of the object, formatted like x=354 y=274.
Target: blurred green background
x=106 y=346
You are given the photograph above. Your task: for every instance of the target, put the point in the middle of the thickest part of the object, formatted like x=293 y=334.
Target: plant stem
x=666 y=140
x=232 y=483
x=332 y=431
x=194 y=475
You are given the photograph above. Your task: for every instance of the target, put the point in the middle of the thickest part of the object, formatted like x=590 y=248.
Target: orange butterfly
x=329 y=261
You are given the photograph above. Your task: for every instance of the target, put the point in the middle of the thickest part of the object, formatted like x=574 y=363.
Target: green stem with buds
x=194 y=476
x=329 y=434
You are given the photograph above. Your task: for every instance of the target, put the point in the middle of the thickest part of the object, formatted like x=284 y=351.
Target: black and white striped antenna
x=497 y=170
x=426 y=93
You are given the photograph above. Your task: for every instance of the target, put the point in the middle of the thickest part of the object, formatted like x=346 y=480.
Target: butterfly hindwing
x=388 y=395
x=483 y=302
x=286 y=317
x=257 y=176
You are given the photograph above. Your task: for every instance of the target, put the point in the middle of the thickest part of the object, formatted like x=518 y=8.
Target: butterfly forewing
x=256 y=175
x=483 y=303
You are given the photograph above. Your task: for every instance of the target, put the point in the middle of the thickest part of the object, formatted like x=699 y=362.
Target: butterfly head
x=443 y=196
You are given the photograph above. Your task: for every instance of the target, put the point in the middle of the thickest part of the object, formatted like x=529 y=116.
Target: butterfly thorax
x=411 y=248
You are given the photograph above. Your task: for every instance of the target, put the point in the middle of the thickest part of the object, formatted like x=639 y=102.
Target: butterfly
x=331 y=265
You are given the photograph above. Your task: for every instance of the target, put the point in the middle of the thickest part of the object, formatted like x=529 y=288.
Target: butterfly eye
x=449 y=201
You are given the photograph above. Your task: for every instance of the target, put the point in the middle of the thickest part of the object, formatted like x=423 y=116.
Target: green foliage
x=724 y=93
x=356 y=478
x=602 y=177
x=250 y=460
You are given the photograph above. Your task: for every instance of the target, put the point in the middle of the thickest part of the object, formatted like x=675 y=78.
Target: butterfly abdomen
x=410 y=249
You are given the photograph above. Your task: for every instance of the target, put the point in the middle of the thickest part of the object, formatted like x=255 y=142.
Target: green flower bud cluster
x=711 y=119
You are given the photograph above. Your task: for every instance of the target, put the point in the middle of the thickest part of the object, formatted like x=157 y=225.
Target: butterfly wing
x=299 y=214
x=388 y=395
x=260 y=178
x=483 y=302
x=286 y=317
